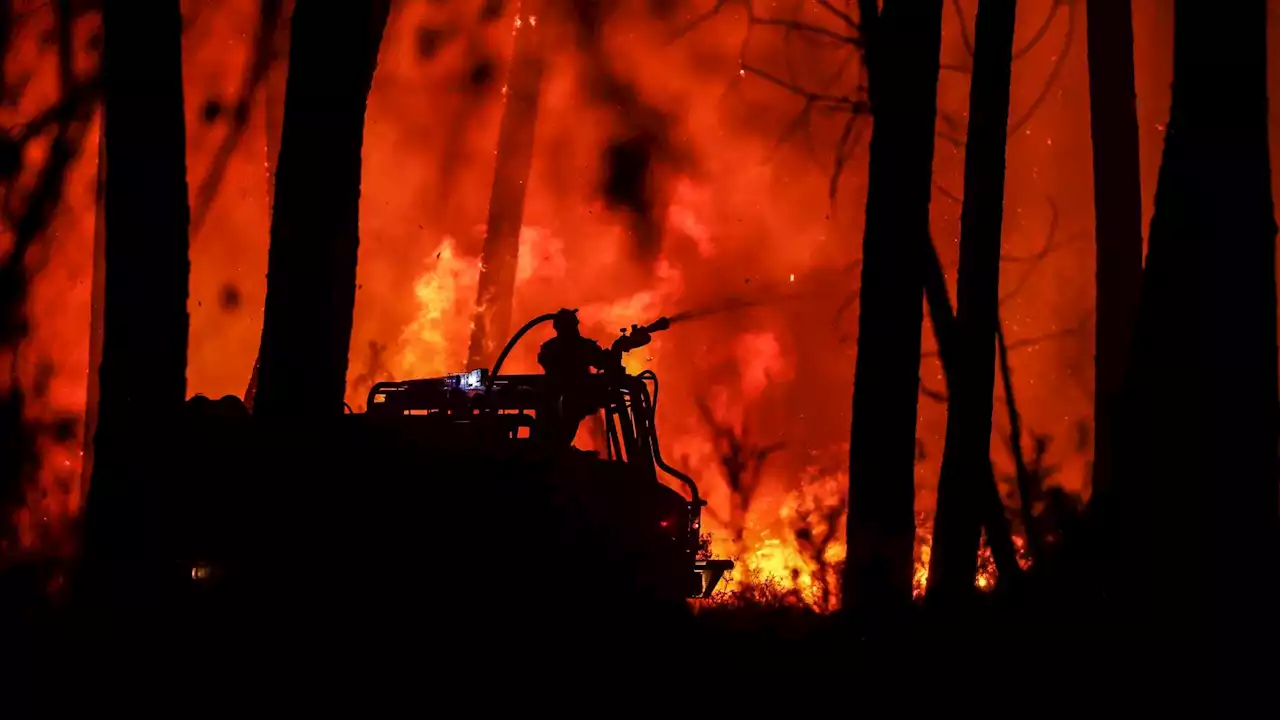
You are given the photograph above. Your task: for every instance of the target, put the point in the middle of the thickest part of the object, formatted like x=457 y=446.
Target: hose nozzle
x=640 y=336
x=659 y=325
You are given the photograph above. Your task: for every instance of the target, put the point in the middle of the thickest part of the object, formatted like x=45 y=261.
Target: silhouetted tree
x=273 y=85
x=494 y=297
x=967 y=495
x=315 y=238
x=1117 y=199
x=144 y=352
x=1198 y=455
x=903 y=46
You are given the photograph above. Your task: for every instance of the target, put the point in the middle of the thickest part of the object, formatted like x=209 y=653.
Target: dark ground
x=478 y=644
x=356 y=570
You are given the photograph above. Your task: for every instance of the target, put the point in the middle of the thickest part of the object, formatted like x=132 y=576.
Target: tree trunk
x=966 y=481
x=311 y=277
x=991 y=505
x=273 y=91
x=144 y=352
x=492 y=326
x=1117 y=199
x=1199 y=493
x=904 y=46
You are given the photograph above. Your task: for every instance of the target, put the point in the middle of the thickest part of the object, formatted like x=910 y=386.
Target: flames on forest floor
x=798 y=560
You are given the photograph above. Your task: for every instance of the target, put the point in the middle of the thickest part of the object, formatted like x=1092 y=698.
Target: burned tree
x=144 y=347
x=1199 y=406
x=1117 y=192
x=311 y=281
x=967 y=496
x=903 y=46
x=492 y=325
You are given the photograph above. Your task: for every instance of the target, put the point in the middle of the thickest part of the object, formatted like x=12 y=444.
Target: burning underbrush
x=797 y=561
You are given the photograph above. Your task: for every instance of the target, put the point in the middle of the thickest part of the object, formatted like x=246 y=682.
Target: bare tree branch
x=1041 y=32
x=855 y=104
x=842 y=156
x=807 y=28
x=944 y=192
x=844 y=16
x=1059 y=64
x=699 y=20
x=1051 y=81
x=966 y=36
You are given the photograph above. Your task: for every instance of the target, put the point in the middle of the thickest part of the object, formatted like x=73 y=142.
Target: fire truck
x=456 y=477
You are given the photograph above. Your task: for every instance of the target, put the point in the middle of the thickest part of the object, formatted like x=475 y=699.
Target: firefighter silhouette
x=568 y=360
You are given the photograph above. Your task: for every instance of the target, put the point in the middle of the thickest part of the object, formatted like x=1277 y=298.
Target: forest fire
x=685 y=162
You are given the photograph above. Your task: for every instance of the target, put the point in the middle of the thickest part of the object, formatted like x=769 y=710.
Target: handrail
x=653 y=430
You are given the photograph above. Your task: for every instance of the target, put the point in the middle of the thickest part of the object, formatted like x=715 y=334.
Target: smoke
x=647 y=153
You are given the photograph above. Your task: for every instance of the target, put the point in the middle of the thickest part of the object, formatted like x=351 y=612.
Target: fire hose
x=497 y=366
